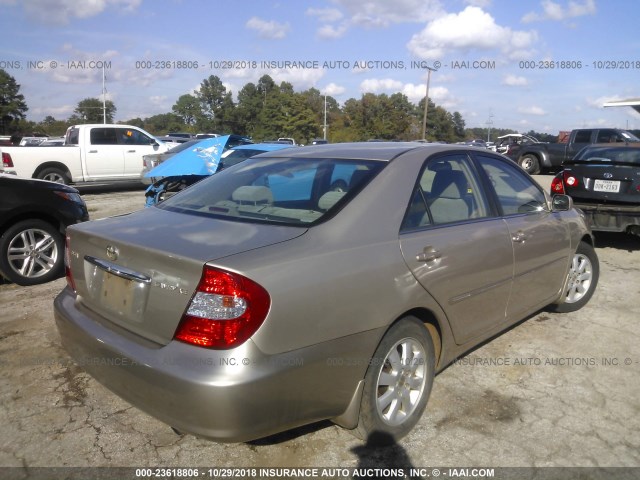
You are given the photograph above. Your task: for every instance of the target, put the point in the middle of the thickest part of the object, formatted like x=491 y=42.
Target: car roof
x=267 y=147
x=383 y=151
x=609 y=146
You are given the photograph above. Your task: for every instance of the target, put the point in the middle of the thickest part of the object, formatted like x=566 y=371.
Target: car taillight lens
x=570 y=180
x=67 y=265
x=7 y=161
x=225 y=311
x=557 y=185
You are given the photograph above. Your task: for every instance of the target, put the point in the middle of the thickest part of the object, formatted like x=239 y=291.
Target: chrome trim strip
x=464 y=296
x=117 y=270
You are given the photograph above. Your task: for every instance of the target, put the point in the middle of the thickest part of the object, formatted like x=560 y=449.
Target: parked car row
x=544 y=157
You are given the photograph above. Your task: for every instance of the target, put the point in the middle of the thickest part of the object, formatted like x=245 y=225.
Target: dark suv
x=604 y=181
x=33 y=217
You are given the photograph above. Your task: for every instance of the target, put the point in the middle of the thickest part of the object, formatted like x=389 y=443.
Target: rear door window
x=103 y=136
x=448 y=191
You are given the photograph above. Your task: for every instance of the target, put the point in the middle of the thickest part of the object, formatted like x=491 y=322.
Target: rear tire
x=530 y=164
x=397 y=383
x=55 y=175
x=582 y=280
x=31 y=252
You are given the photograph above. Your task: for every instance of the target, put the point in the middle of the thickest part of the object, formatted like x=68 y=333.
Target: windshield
x=277 y=190
x=620 y=154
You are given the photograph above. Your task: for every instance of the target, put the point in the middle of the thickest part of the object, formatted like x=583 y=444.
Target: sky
x=543 y=65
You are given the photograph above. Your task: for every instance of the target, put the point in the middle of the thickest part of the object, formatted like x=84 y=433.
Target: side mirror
x=561 y=203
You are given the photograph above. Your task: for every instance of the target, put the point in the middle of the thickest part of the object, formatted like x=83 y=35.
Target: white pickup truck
x=91 y=153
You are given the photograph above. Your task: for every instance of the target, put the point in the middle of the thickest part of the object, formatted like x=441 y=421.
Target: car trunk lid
x=140 y=271
x=603 y=181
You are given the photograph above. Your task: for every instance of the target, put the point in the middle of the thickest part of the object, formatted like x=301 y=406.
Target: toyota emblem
x=112 y=252
x=608 y=175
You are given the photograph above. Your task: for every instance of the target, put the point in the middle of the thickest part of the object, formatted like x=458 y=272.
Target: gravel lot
x=556 y=390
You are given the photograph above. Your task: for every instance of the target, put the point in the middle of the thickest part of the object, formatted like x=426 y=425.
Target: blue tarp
x=202 y=159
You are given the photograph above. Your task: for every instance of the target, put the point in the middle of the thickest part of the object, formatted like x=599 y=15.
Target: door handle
x=519 y=237
x=429 y=255
x=131 y=151
x=93 y=151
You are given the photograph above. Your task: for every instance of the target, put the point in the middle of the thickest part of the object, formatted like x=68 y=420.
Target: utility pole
x=324 y=127
x=104 y=97
x=426 y=104
x=489 y=123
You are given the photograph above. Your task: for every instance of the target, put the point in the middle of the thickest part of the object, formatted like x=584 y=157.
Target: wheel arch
x=588 y=239
x=33 y=215
x=431 y=323
x=349 y=418
x=51 y=164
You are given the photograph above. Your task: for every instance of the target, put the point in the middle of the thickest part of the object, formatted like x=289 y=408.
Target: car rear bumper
x=610 y=218
x=226 y=395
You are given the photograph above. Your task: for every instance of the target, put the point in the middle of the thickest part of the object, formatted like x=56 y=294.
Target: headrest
x=252 y=195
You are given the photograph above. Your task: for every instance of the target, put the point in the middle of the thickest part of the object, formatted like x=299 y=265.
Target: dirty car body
x=269 y=296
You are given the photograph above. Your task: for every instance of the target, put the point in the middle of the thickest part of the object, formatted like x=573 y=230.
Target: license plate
x=612 y=186
x=117 y=293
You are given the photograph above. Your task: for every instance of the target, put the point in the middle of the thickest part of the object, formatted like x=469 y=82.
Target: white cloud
x=415 y=93
x=555 y=11
x=268 y=29
x=325 y=14
x=333 y=90
x=159 y=100
x=331 y=32
x=301 y=79
x=515 y=81
x=60 y=12
x=479 y=3
x=532 y=110
x=439 y=95
x=471 y=29
x=368 y=13
x=63 y=111
x=374 y=85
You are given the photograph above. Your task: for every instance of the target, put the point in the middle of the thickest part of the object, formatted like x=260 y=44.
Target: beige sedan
x=326 y=282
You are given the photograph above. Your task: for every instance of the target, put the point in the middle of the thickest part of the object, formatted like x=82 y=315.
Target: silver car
x=329 y=282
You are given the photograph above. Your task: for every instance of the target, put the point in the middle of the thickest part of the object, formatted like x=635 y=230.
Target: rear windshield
x=277 y=190
x=627 y=155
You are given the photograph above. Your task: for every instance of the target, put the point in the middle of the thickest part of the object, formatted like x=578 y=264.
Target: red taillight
x=6 y=160
x=67 y=265
x=556 y=185
x=225 y=311
x=569 y=179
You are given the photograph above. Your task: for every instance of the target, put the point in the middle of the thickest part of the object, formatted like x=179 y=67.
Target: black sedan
x=604 y=181
x=33 y=217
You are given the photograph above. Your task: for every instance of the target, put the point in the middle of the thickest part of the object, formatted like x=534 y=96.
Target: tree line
x=263 y=110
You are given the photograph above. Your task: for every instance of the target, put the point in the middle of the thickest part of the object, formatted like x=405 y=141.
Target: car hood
x=139 y=271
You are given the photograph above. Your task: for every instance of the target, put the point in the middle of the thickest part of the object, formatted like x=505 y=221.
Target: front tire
x=582 y=280
x=55 y=175
x=397 y=383
x=31 y=252
x=530 y=164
